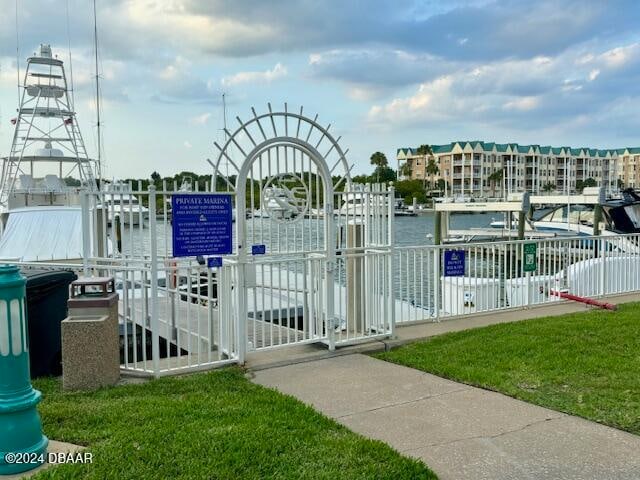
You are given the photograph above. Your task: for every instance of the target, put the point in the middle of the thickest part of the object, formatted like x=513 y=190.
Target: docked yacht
x=120 y=202
x=46 y=171
x=620 y=216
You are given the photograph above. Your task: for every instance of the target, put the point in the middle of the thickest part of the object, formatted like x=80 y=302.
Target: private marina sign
x=202 y=224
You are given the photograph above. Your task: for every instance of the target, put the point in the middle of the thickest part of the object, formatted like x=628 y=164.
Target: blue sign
x=454 y=263
x=202 y=224
x=258 y=249
x=214 y=262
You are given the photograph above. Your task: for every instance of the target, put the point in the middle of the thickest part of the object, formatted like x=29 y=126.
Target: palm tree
x=379 y=159
x=432 y=169
x=426 y=151
x=548 y=187
x=495 y=177
x=405 y=169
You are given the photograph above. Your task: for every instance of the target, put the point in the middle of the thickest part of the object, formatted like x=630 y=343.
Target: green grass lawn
x=586 y=364
x=212 y=425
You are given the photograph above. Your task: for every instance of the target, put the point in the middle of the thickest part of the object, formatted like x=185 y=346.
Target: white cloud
x=379 y=67
x=618 y=57
x=187 y=144
x=614 y=58
x=278 y=71
x=425 y=103
x=593 y=74
x=363 y=93
x=175 y=69
x=201 y=119
x=522 y=104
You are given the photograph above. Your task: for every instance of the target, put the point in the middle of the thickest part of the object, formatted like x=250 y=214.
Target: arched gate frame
x=293 y=263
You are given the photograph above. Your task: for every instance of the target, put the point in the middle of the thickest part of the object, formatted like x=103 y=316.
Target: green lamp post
x=22 y=444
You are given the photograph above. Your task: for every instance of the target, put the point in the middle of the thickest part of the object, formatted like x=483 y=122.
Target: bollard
x=20 y=426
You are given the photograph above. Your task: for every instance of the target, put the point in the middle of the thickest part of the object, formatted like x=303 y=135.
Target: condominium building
x=489 y=170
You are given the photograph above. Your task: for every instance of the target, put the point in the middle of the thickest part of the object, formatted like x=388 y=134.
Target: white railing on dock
x=177 y=315
x=495 y=276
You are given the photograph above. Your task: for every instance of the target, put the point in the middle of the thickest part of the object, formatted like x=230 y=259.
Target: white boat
x=620 y=216
x=281 y=204
x=361 y=204
x=46 y=170
x=124 y=205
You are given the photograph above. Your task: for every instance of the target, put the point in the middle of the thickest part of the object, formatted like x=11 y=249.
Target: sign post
x=202 y=224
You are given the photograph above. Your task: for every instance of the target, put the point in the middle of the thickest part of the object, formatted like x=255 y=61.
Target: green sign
x=530 y=262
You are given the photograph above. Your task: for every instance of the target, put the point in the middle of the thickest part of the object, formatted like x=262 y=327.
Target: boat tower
x=47 y=145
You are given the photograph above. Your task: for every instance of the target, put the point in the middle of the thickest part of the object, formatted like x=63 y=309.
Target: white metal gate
x=293 y=191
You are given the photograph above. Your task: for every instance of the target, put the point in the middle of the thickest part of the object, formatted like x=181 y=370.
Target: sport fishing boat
x=46 y=171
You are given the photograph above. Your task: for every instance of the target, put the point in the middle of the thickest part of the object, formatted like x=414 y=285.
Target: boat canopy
x=42 y=234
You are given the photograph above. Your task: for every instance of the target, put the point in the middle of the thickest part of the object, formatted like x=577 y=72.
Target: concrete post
x=90 y=335
x=355 y=275
x=20 y=427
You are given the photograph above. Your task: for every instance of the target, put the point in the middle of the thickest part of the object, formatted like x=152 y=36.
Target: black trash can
x=47 y=295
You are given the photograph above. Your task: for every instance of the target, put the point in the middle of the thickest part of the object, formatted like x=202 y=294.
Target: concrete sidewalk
x=461 y=432
x=407 y=333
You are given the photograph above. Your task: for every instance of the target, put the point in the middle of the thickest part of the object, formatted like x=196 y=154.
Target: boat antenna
x=224 y=123
x=95 y=42
x=72 y=90
x=18 y=51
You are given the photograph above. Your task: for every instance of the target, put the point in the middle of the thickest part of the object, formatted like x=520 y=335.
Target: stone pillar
x=90 y=335
x=20 y=427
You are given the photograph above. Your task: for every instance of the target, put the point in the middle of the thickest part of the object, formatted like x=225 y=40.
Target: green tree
x=424 y=149
x=548 y=187
x=379 y=159
x=383 y=174
x=582 y=184
x=496 y=177
x=72 y=182
x=155 y=176
x=432 y=169
x=405 y=169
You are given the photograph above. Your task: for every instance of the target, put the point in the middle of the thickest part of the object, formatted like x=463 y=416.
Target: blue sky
x=385 y=74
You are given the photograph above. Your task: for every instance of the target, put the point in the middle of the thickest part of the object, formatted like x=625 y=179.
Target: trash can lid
x=37 y=278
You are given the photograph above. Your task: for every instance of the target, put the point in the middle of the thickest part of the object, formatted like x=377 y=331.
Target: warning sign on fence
x=201 y=224
x=530 y=262
x=454 y=263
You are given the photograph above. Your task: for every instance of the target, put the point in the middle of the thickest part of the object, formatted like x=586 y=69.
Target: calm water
x=408 y=231
x=414 y=230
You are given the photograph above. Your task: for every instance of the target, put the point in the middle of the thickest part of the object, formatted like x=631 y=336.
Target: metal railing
x=177 y=315
x=498 y=275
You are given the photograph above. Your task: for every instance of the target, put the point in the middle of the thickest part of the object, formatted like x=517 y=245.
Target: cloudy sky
x=384 y=73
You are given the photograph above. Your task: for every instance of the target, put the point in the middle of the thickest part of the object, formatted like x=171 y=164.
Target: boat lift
x=516 y=203
x=520 y=203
